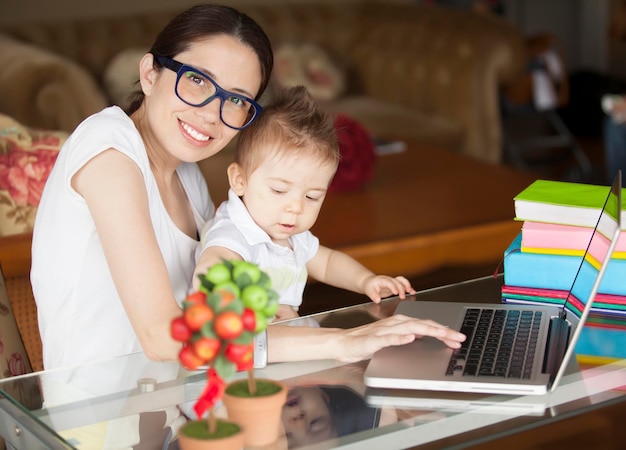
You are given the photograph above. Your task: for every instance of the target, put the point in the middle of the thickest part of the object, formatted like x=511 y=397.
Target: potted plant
x=217 y=327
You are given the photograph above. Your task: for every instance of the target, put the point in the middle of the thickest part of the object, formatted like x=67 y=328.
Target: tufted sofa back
x=438 y=61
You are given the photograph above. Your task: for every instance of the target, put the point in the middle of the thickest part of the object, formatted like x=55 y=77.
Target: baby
x=284 y=163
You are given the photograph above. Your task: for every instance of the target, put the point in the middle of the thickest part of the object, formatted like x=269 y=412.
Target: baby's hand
x=380 y=286
x=285 y=312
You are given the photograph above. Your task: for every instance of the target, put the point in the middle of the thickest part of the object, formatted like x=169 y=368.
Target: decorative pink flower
x=17 y=365
x=24 y=173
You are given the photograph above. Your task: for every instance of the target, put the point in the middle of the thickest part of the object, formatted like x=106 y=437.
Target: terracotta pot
x=230 y=442
x=260 y=417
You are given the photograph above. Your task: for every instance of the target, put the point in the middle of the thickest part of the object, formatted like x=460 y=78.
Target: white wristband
x=260 y=350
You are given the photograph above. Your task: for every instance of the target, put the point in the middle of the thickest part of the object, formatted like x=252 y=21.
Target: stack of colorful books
x=542 y=261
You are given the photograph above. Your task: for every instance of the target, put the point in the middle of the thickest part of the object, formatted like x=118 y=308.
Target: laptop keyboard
x=500 y=343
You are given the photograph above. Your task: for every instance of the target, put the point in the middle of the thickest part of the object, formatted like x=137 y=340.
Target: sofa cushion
x=121 y=76
x=27 y=156
x=44 y=87
x=388 y=120
x=311 y=66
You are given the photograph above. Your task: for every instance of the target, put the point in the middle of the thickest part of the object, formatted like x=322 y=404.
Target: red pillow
x=358 y=155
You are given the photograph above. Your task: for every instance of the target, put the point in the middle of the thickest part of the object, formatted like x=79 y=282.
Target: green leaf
x=272 y=295
x=225 y=368
x=243 y=280
x=236 y=306
x=214 y=300
x=205 y=285
x=207 y=330
x=244 y=338
x=265 y=280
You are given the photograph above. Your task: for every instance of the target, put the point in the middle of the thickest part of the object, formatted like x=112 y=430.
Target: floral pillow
x=27 y=156
x=13 y=358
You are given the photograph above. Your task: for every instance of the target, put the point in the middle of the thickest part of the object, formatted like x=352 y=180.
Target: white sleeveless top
x=81 y=317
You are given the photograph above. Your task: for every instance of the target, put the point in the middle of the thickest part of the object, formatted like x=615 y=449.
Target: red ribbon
x=213 y=392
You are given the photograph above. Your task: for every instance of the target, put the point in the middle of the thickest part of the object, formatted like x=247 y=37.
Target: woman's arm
x=119 y=207
x=289 y=343
x=209 y=257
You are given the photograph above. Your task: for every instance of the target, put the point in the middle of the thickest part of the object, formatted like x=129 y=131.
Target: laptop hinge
x=558 y=338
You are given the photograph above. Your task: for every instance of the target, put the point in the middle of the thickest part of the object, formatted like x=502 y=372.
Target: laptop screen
x=597 y=251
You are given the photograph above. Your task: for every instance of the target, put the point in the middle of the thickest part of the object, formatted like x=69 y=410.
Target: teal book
x=564 y=203
x=553 y=271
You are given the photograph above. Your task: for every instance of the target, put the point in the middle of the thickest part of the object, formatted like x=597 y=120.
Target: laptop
x=550 y=334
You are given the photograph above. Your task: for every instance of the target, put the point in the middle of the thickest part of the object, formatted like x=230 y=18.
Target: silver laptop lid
x=594 y=263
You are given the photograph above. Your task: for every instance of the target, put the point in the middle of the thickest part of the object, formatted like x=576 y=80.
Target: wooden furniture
x=425 y=208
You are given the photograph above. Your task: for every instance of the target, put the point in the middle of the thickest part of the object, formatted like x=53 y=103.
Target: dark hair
x=350 y=411
x=202 y=21
x=292 y=122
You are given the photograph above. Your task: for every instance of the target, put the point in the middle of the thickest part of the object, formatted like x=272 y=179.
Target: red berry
x=226 y=296
x=196 y=298
x=228 y=325
x=206 y=348
x=241 y=355
x=189 y=359
x=249 y=319
x=179 y=330
x=197 y=315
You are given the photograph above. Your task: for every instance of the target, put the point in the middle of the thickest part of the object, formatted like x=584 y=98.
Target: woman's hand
x=354 y=344
x=362 y=342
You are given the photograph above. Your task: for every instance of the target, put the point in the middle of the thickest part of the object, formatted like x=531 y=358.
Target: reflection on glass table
x=131 y=402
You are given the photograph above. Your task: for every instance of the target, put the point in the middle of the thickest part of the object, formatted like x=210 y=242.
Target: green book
x=563 y=203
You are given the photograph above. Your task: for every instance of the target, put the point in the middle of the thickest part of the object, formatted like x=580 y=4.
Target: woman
x=117 y=227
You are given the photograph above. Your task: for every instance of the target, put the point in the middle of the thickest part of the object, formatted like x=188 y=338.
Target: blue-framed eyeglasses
x=198 y=89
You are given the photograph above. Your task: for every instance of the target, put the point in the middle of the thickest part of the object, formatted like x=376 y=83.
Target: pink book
x=538 y=237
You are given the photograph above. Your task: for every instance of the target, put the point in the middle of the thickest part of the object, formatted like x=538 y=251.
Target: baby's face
x=285 y=193
x=306 y=417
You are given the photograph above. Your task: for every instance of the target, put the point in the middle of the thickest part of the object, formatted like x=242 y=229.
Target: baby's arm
x=340 y=270
x=210 y=256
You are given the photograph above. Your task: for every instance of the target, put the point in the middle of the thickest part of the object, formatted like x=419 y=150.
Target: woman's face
x=189 y=133
x=306 y=417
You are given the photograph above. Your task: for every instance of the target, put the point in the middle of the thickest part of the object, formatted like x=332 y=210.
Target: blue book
x=601 y=343
x=550 y=271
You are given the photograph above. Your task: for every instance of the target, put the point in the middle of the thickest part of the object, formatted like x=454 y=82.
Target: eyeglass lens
x=195 y=88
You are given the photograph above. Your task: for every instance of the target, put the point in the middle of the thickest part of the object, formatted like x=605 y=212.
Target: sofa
x=423 y=73
x=420 y=73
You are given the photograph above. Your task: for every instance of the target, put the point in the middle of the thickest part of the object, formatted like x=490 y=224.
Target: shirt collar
x=240 y=216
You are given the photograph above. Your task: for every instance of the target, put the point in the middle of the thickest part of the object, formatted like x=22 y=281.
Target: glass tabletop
x=130 y=401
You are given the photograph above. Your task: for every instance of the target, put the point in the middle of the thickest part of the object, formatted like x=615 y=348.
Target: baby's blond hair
x=292 y=124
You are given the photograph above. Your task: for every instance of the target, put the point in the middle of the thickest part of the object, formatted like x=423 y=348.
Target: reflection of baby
x=327 y=405
x=320 y=413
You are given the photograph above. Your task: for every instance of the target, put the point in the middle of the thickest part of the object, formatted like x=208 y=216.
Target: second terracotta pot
x=260 y=417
